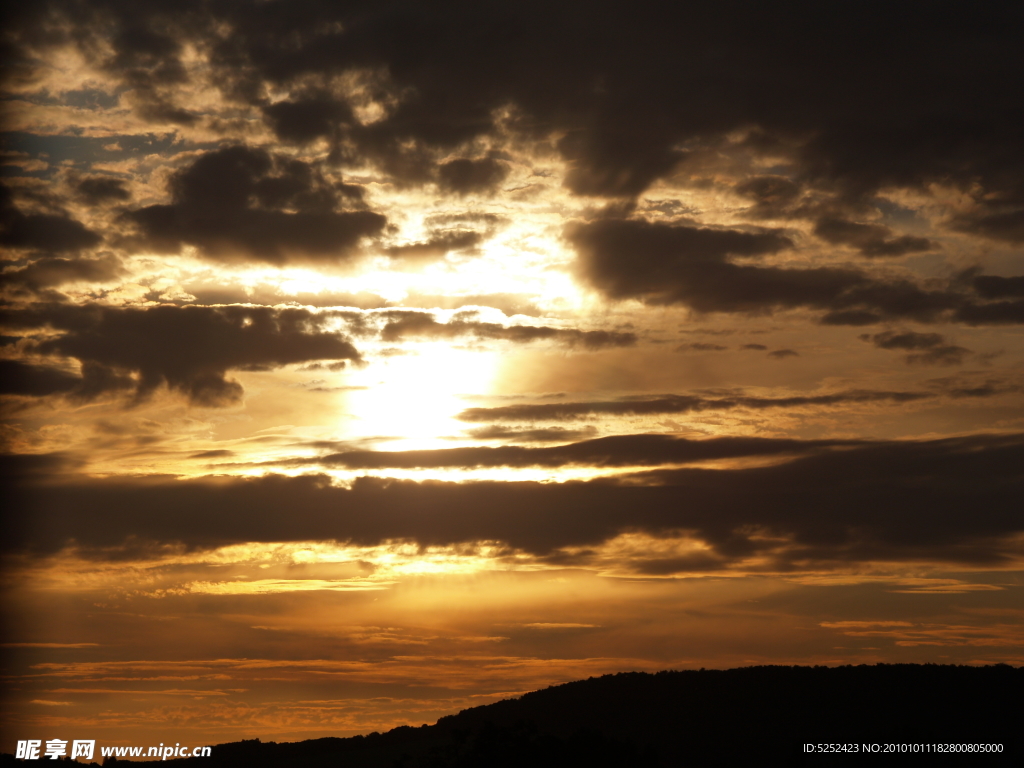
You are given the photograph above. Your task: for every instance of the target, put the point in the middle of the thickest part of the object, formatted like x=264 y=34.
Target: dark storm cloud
x=905 y=340
x=1007 y=226
x=55 y=270
x=772 y=195
x=630 y=86
x=926 y=348
x=678 y=264
x=447 y=233
x=55 y=232
x=215 y=454
x=957 y=388
x=95 y=379
x=421 y=325
x=993 y=313
x=614 y=451
x=18 y=467
x=241 y=201
x=100 y=189
x=700 y=346
x=143 y=51
x=920 y=98
x=305 y=120
x=643 y=406
x=539 y=435
x=851 y=317
x=661 y=263
x=994 y=287
x=954 y=500
x=665 y=264
x=870 y=239
x=617 y=158
x=463 y=176
x=438 y=246
x=189 y=349
x=18 y=378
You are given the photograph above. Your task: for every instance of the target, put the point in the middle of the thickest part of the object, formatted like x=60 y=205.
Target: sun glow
x=413 y=395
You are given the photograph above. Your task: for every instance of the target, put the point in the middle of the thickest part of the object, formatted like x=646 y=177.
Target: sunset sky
x=367 y=361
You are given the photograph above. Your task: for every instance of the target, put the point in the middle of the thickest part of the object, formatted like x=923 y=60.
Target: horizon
x=364 y=363
x=624 y=717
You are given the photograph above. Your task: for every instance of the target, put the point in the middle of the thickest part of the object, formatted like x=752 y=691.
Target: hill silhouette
x=747 y=716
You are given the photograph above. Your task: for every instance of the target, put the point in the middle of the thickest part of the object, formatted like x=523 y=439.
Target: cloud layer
x=897 y=501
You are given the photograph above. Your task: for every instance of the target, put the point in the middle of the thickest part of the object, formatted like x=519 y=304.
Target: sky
x=367 y=361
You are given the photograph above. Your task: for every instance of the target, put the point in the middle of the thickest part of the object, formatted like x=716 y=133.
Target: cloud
x=781 y=354
x=1005 y=225
x=96 y=190
x=49 y=645
x=617 y=158
x=549 y=435
x=925 y=348
x=851 y=317
x=54 y=232
x=625 y=97
x=422 y=325
x=240 y=202
x=665 y=264
x=93 y=380
x=772 y=195
x=463 y=176
x=614 y=451
x=50 y=271
x=661 y=263
x=700 y=346
x=679 y=264
x=18 y=378
x=953 y=500
x=871 y=239
x=21 y=466
x=302 y=121
x=642 y=406
x=458 y=232
x=508 y=303
x=214 y=291
x=993 y=313
x=189 y=349
x=995 y=287
x=438 y=246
